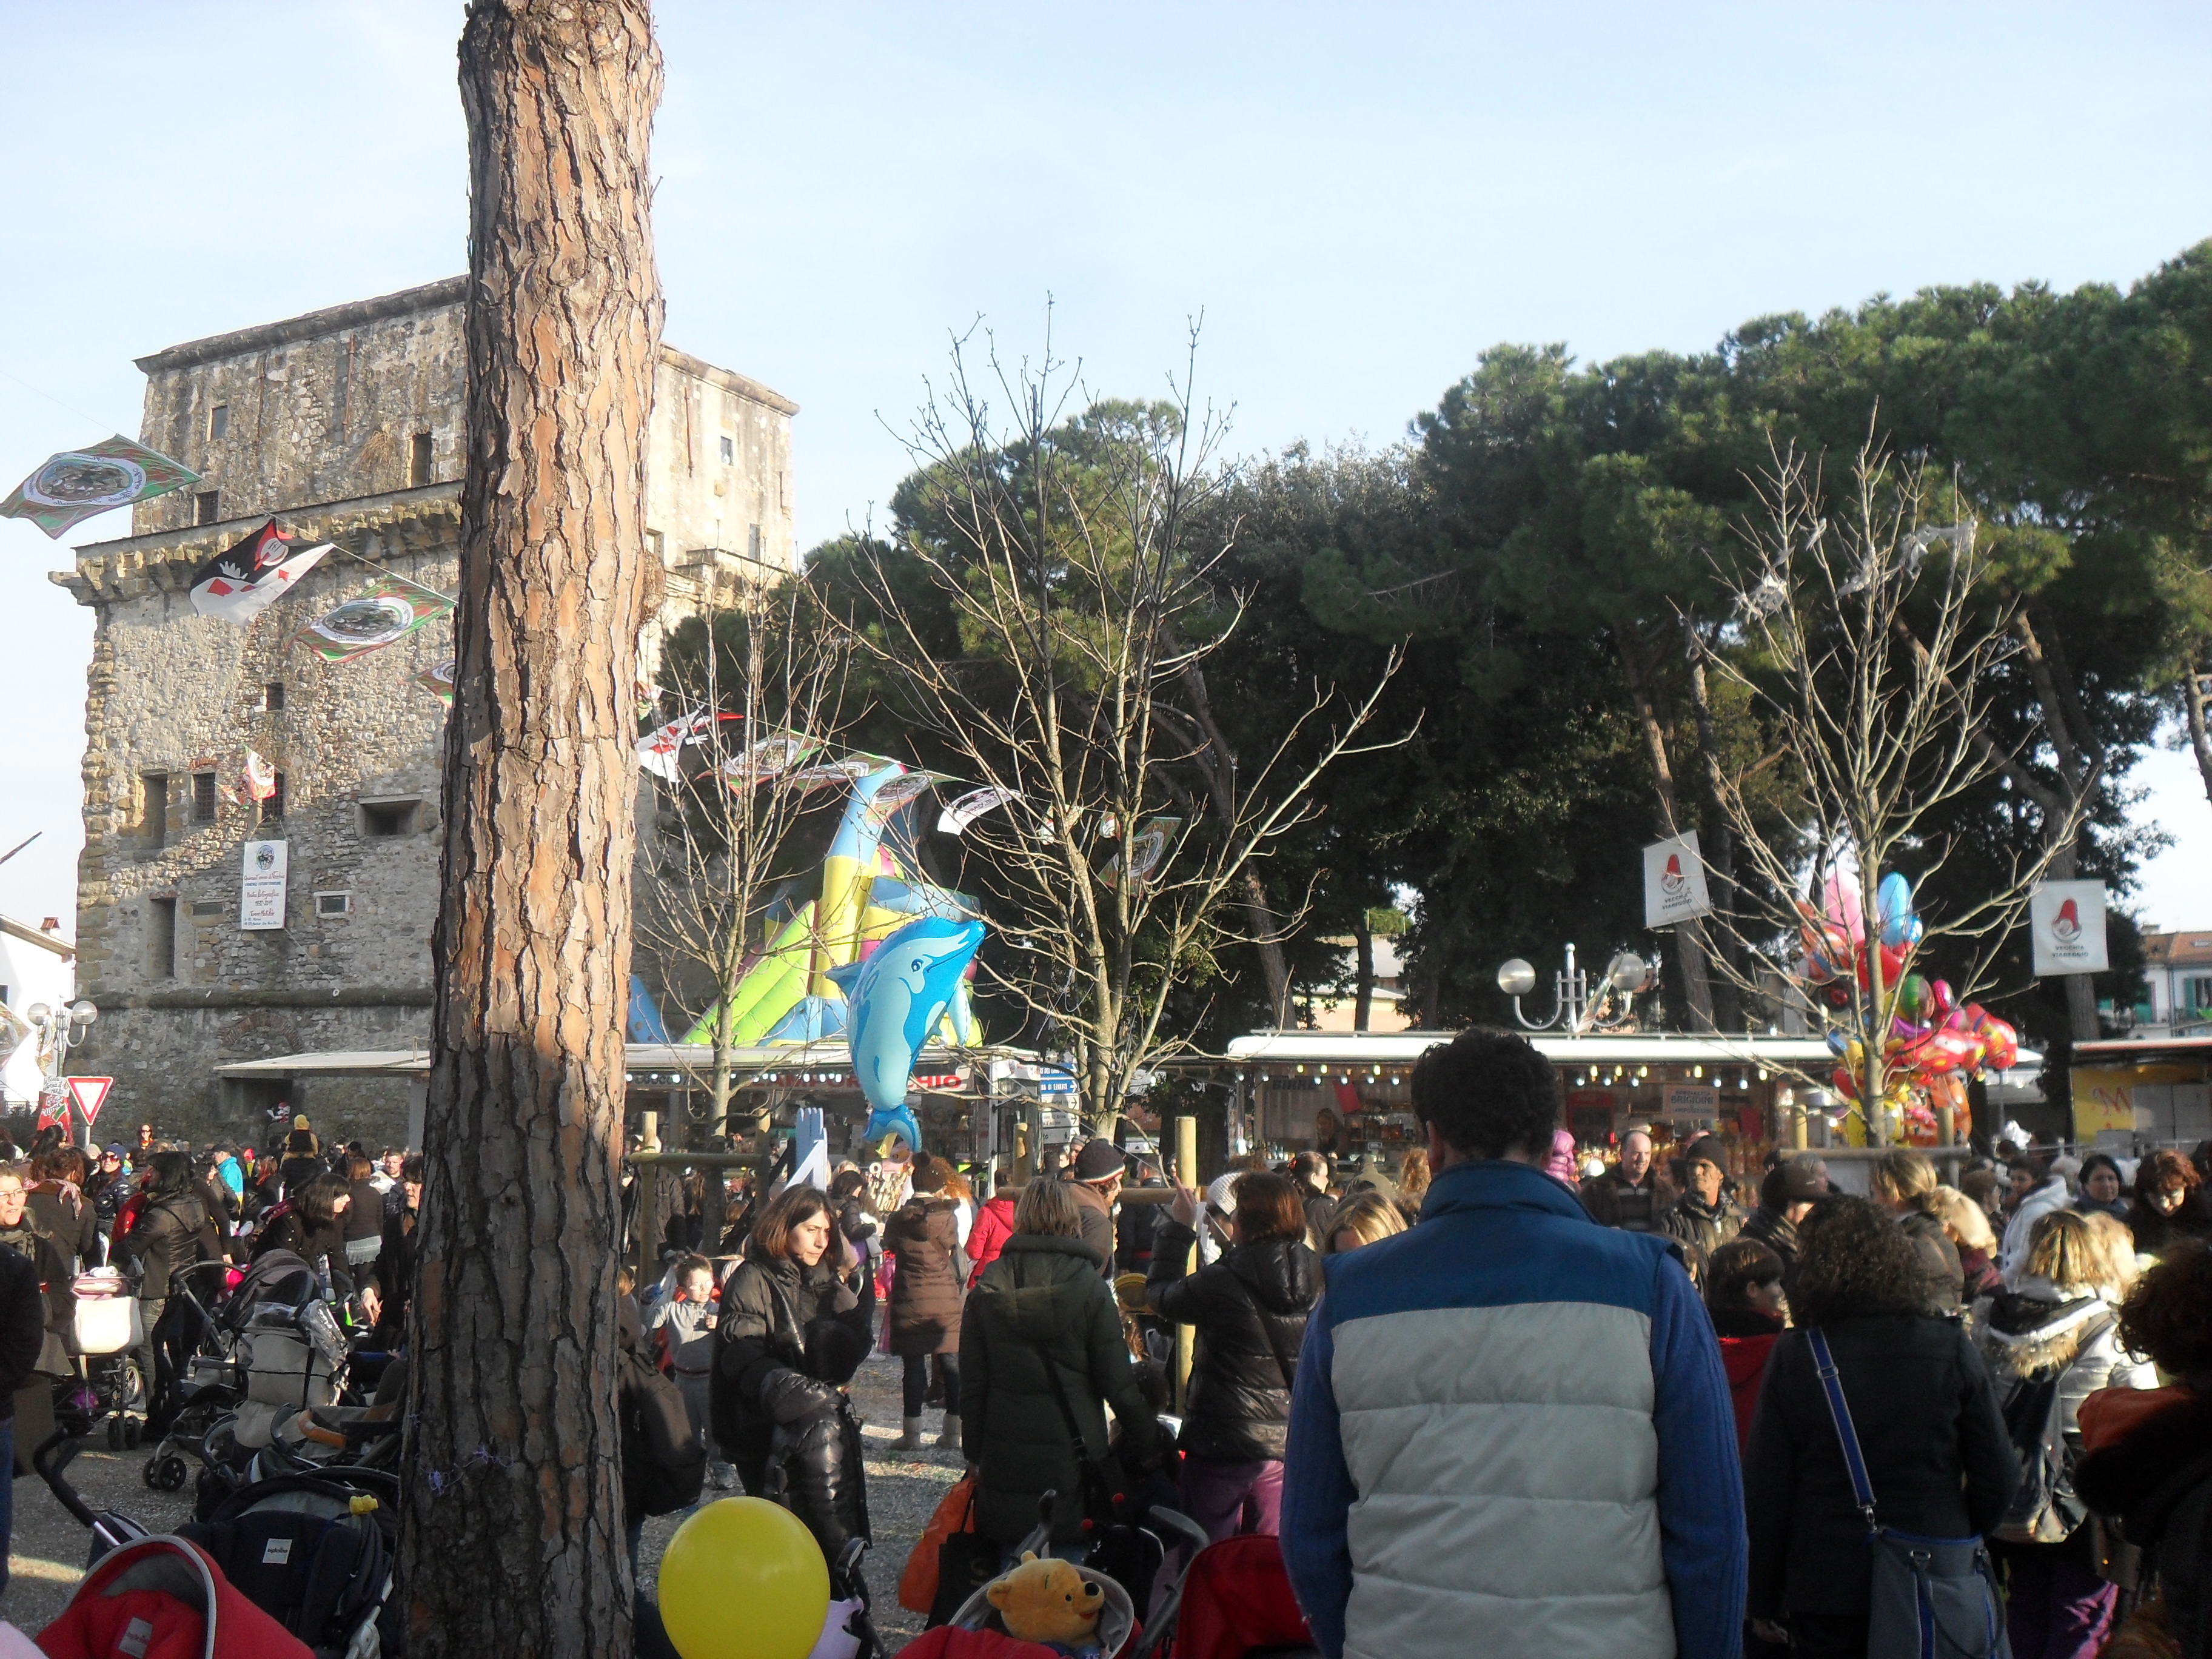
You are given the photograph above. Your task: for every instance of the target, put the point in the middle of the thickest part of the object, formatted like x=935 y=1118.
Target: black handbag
x=1104 y=1488
x=1933 y=1598
x=966 y=1561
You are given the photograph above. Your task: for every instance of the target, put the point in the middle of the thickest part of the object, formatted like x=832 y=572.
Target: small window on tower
x=272 y=696
x=729 y=449
x=274 y=806
x=161 y=938
x=657 y=544
x=382 y=818
x=753 y=541
x=219 y=421
x=207 y=506
x=203 y=798
x=155 y=813
x=420 y=468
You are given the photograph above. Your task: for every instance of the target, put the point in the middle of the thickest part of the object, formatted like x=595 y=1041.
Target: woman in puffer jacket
x=1250 y=1309
x=924 y=1235
x=2057 y=1326
x=763 y=1382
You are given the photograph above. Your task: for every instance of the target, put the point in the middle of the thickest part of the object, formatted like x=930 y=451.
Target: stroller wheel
x=167 y=1474
x=115 y=1434
x=132 y=1428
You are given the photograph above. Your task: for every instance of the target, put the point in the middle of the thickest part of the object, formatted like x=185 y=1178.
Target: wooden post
x=1187 y=1171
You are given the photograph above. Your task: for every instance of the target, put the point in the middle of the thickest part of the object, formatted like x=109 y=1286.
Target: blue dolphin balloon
x=894 y=1000
x=1894 y=903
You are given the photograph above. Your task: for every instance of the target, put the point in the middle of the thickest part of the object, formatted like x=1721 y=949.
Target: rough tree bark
x=2195 y=689
x=511 y=1530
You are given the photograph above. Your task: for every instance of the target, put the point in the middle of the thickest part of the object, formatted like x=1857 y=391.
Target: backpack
x=2043 y=1508
x=664 y=1465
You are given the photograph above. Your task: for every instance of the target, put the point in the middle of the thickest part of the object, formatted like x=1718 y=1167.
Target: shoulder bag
x=1103 y=1489
x=1933 y=1598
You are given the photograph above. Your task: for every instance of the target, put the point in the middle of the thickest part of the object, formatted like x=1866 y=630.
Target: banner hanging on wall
x=261 y=892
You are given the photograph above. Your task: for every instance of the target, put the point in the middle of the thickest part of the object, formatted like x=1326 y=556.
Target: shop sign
x=2066 y=920
x=1674 y=882
x=1693 y=1100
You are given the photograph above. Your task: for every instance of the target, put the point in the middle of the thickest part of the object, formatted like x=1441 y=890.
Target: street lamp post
x=1574 y=1005
x=61 y=1030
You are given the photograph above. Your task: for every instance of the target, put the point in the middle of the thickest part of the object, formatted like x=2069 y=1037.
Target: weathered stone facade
x=347 y=424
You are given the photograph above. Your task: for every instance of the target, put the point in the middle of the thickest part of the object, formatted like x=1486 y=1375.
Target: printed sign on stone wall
x=261 y=892
x=2066 y=920
x=1674 y=882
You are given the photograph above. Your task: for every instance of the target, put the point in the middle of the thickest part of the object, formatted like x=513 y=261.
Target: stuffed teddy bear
x=1048 y=1601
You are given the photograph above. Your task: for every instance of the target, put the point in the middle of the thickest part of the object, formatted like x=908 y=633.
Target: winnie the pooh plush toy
x=1049 y=1602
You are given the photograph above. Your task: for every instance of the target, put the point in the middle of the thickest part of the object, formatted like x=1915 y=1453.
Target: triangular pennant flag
x=243 y=581
x=80 y=483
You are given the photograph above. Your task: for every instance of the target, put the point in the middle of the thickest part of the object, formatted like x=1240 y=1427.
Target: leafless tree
x=766 y=685
x=1131 y=834
x=1865 y=638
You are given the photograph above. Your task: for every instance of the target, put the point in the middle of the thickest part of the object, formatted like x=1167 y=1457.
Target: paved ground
x=47 y=1557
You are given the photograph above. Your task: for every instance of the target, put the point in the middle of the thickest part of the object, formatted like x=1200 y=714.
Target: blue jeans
x=7 y=1494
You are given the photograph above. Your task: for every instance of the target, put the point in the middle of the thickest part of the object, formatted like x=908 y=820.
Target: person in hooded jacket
x=792 y=1275
x=924 y=1235
x=1937 y=1454
x=169 y=1235
x=2146 y=1455
x=2058 y=1326
x=1249 y=1308
x=1705 y=1217
x=58 y=1204
x=994 y=1225
x=1042 y=1315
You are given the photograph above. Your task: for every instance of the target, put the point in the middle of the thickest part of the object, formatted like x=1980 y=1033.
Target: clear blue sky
x=1360 y=198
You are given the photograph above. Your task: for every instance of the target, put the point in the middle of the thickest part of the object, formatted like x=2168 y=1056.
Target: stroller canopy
x=163 y=1598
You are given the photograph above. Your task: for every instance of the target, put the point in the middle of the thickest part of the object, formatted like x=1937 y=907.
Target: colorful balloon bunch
x=1930 y=1035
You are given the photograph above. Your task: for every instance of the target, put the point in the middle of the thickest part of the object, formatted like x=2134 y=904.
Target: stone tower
x=346 y=424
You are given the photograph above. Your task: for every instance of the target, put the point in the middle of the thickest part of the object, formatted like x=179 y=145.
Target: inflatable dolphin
x=894 y=1000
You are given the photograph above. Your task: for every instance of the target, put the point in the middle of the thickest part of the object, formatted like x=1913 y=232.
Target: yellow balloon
x=744 y=1579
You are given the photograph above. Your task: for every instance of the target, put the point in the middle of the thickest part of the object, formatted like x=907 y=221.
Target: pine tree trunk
x=511 y=1518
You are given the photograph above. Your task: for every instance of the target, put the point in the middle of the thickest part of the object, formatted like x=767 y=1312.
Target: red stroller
x=1234 y=1603
x=163 y=1598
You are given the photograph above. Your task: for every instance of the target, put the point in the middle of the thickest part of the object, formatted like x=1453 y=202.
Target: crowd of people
x=152 y=1211
x=1584 y=1405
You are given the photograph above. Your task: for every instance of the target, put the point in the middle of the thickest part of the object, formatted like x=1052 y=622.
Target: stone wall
x=319 y=417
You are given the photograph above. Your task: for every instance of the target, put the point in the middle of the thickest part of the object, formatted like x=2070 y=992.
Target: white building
x=2179 y=967
x=36 y=965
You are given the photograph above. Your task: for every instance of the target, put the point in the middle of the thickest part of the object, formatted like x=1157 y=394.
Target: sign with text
x=1693 y=1100
x=88 y=1095
x=1674 y=882
x=261 y=891
x=2066 y=921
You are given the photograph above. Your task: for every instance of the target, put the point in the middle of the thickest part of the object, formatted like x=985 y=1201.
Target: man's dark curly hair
x=1856 y=1261
x=2168 y=1314
x=1488 y=1092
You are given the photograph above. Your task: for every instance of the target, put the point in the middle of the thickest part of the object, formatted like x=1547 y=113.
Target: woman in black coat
x=924 y=1235
x=1927 y=1418
x=1250 y=1309
x=763 y=1388
x=311 y=1225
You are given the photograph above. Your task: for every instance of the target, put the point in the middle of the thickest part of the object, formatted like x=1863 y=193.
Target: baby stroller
x=314 y=1553
x=163 y=1594
x=209 y=1384
x=1233 y=1602
x=103 y=1340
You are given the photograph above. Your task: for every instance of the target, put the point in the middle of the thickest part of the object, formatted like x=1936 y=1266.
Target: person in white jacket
x=2046 y=1191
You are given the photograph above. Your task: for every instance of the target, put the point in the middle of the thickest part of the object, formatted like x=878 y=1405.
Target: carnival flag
x=438 y=681
x=955 y=819
x=257 y=779
x=657 y=750
x=389 y=609
x=241 y=584
x=79 y=483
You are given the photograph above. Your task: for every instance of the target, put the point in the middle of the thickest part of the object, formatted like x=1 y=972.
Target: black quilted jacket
x=1250 y=1309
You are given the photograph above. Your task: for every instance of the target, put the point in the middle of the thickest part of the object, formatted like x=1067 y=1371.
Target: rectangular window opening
x=274 y=806
x=154 y=813
x=388 y=818
x=161 y=939
x=207 y=506
x=729 y=449
x=752 y=541
x=203 y=798
x=272 y=696
x=219 y=421
x=334 y=904
x=420 y=464
x=657 y=544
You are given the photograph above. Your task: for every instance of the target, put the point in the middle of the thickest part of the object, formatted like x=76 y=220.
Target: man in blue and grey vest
x=1510 y=1431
